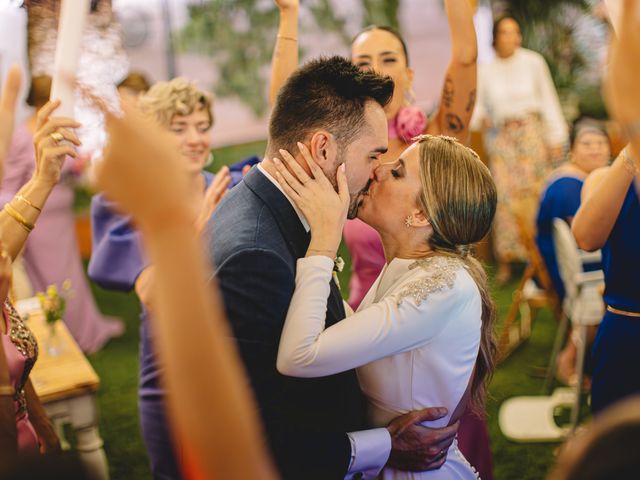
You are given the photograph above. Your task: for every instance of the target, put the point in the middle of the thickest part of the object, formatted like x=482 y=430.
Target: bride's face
x=393 y=193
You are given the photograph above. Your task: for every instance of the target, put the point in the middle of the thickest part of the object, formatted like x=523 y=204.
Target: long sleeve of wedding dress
x=412 y=312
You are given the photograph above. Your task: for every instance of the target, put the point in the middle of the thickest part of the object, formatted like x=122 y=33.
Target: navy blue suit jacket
x=256 y=238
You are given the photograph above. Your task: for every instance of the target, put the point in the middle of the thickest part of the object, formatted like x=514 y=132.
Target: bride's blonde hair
x=459 y=198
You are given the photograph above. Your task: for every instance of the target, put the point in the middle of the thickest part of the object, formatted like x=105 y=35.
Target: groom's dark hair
x=328 y=93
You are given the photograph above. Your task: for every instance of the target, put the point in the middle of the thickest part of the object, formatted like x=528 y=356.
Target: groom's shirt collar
x=303 y=220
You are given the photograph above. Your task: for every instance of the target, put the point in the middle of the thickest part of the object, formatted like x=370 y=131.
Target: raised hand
x=53 y=141
x=213 y=196
x=315 y=196
x=8 y=100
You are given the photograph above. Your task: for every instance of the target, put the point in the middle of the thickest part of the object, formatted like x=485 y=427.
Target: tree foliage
x=238 y=36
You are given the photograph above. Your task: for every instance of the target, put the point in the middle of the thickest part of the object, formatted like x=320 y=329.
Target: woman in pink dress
x=51 y=254
x=24 y=426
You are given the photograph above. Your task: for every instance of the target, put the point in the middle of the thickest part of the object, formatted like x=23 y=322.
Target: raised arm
x=603 y=194
x=622 y=93
x=459 y=90
x=285 y=52
x=54 y=141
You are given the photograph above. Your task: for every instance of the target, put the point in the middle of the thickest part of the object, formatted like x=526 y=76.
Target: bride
x=423 y=335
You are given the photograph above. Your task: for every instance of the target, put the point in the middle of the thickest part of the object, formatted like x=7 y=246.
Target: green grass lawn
x=117 y=366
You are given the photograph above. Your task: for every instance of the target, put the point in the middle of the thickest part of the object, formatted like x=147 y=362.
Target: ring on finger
x=57 y=137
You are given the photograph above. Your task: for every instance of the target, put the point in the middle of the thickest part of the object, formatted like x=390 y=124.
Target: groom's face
x=362 y=155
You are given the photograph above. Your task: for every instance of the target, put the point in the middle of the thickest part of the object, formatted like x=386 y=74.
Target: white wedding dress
x=414 y=341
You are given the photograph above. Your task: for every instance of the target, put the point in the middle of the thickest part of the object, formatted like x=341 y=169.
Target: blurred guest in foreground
x=119 y=262
x=51 y=254
x=605 y=449
x=209 y=404
x=516 y=96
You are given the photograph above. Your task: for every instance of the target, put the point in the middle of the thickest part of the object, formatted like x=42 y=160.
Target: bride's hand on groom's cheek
x=417 y=448
x=324 y=209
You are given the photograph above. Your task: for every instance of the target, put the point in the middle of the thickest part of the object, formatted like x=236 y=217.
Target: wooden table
x=66 y=384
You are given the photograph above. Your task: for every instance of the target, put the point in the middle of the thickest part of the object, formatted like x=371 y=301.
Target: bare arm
x=459 y=90
x=621 y=91
x=285 y=52
x=603 y=194
x=30 y=199
x=228 y=444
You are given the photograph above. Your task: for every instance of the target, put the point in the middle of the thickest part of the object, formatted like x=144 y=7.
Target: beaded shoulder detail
x=441 y=275
x=21 y=335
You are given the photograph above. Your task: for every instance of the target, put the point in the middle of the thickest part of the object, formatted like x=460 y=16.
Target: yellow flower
x=52 y=291
x=66 y=285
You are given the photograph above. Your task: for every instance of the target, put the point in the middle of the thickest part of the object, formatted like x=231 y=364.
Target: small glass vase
x=54 y=342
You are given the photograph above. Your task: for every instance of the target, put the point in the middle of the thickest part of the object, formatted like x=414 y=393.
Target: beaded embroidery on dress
x=441 y=275
x=25 y=342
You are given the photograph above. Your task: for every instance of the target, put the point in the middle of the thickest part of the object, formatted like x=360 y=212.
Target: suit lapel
x=295 y=235
x=293 y=232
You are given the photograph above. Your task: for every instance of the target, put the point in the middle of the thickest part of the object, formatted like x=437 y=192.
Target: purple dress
x=51 y=253
x=21 y=350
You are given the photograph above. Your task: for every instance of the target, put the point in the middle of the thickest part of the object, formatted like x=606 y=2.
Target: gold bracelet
x=628 y=163
x=25 y=200
x=284 y=37
x=18 y=217
x=7 y=390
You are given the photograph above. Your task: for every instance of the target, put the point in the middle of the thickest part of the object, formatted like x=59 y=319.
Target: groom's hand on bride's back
x=417 y=448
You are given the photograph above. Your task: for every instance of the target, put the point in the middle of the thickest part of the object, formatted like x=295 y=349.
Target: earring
x=408 y=221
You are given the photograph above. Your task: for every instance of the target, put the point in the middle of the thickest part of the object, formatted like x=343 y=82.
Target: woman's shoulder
x=433 y=275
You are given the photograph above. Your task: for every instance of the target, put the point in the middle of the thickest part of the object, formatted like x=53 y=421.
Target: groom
x=315 y=427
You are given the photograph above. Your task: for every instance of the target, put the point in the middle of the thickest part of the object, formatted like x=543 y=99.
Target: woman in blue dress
x=609 y=218
x=590 y=150
x=118 y=261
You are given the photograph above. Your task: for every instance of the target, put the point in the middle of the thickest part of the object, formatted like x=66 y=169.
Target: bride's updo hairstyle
x=459 y=198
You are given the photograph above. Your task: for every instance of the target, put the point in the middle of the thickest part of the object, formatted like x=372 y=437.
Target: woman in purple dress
x=51 y=254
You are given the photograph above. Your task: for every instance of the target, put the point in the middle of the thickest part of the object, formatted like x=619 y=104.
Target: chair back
x=568 y=257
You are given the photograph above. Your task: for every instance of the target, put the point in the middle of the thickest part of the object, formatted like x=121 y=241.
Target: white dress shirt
x=511 y=88
x=414 y=341
x=370 y=449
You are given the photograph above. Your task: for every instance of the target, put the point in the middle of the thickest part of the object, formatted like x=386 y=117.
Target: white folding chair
x=531 y=418
x=583 y=303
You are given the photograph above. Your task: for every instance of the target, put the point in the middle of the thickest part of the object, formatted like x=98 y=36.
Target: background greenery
x=117 y=366
x=238 y=37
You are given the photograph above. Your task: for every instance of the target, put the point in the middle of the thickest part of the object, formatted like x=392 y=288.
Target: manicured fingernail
x=276 y=161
